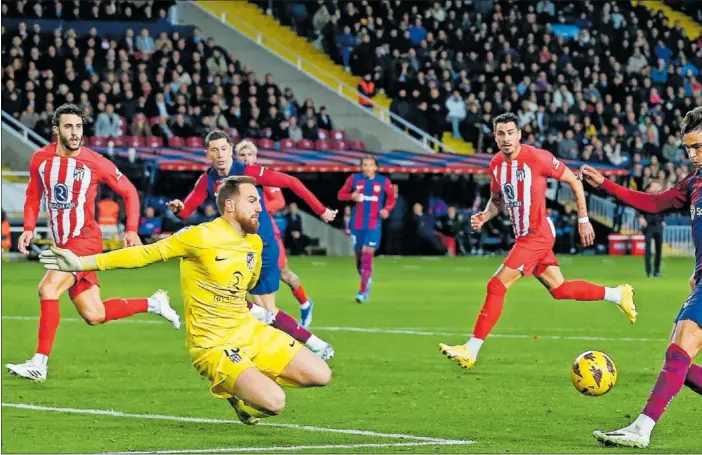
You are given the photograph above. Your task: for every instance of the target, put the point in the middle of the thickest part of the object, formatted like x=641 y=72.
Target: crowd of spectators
x=613 y=91
x=141 y=86
x=87 y=10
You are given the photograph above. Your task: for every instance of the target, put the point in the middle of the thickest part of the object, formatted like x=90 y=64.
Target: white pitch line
x=310 y=447
x=399 y=331
x=111 y=413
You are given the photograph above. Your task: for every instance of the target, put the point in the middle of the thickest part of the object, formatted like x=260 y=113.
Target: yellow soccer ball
x=593 y=373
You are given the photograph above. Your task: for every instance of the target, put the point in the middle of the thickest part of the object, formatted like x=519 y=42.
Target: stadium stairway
x=322 y=67
x=691 y=27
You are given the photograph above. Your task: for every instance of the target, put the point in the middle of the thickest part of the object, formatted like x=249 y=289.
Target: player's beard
x=249 y=225
x=66 y=143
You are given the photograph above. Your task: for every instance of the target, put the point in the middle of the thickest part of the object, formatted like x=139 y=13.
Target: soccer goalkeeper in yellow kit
x=244 y=358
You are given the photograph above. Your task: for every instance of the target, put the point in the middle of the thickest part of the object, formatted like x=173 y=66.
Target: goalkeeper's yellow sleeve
x=139 y=256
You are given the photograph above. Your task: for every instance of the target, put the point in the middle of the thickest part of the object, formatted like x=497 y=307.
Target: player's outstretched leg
x=685 y=345
x=552 y=278
x=467 y=354
x=96 y=311
x=306 y=305
x=286 y=323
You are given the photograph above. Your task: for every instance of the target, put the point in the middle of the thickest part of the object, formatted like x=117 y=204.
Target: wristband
x=583 y=220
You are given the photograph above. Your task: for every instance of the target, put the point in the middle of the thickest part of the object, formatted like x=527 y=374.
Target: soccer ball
x=593 y=373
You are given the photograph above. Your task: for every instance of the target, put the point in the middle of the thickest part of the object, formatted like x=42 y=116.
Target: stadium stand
x=464 y=63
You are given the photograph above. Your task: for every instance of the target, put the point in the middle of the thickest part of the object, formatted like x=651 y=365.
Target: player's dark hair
x=692 y=121
x=230 y=188
x=214 y=135
x=370 y=157
x=67 y=109
x=507 y=117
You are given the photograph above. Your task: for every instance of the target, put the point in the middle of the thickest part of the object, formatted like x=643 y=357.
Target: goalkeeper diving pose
x=245 y=359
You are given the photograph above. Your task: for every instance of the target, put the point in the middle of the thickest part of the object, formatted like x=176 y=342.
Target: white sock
x=153 y=305
x=473 y=346
x=315 y=344
x=305 y=305
x=40 y=359
x=613 y=294
x=644 y=424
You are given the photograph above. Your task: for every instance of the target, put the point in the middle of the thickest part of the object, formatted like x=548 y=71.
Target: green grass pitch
x=129 y=385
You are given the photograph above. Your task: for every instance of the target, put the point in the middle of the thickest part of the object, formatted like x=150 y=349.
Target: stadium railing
x=320 y=75
x=22 y=131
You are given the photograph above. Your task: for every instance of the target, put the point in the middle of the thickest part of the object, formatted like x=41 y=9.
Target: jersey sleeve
x=265 y=177
x=389 y=195
x=181 y=244
x=196 y=197
x=275 y=201
x=258 y=247
x=347 y=190
x=549 y=165
x=122 y=186
x=674 y=198
x=32 y=200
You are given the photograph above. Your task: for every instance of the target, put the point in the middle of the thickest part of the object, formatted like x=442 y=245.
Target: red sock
x=123 y=308
x=578 y=290
x=286 y=323
x=492 y=308
x=669 y=383
x=300 y=295
x=48 y=325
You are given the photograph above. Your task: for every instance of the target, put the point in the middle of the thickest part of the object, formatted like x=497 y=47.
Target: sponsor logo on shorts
x=233 y=355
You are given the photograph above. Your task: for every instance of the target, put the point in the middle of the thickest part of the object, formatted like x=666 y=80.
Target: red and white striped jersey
x=523 y=182
x=69 y=187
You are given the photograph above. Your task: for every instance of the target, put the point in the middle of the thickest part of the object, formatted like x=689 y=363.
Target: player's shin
x=489 y=315
x=579 y=290
x=286 y=323
x=301 y=296
x=694 y=378
x=669 y=383
x=366 y=269
x=358 y=262
x=48 y=325
x=123 y=308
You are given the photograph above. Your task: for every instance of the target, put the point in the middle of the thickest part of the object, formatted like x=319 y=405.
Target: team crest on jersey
x=250 y=261
x=508 y=189
x=521 y=175
x=376 y=188
x=233 y=355
x=78 y=174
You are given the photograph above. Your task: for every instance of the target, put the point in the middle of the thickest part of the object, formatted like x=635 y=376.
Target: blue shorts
x=692 y=308
x=366 y=237
x=269 y=281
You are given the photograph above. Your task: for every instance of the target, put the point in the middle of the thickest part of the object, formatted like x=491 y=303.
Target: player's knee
x=496 y=287
x=93 y=317
x=48 y=291
x=323 y=376
x=275 y=401
x=558 y=293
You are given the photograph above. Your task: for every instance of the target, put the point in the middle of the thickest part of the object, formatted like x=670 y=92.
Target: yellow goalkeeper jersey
x=218 y=267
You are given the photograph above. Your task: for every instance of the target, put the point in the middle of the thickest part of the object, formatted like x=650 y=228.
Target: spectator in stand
x=181 y=128
x=366 y=88
x=108 y=123
x=456 y=108
x=323 y=120
x=294 y=131
x=309 y=130
x=140 y=127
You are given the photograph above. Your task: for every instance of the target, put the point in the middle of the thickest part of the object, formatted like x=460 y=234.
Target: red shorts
x=530 y=252
x=83 y=247
x=282 y=256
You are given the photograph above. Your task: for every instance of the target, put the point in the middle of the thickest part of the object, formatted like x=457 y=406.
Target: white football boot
x=159 y=303
x=31 y=369
x=631 y=436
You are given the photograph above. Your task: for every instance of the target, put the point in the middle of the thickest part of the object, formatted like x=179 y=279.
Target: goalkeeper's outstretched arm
x=126 y=258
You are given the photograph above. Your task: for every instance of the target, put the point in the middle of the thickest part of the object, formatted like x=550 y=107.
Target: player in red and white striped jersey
x=518 y=179
x=67 y=176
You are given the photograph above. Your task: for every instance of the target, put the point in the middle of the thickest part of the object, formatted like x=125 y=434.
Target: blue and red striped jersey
x=377 y=195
